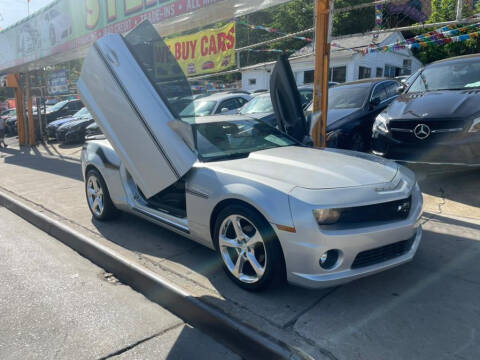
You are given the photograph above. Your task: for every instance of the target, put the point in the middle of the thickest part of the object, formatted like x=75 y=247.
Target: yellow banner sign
x=205 y=52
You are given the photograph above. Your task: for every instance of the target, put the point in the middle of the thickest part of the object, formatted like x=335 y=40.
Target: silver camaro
x=271 y=207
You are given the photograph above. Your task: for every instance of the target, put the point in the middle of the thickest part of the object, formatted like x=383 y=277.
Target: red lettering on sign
x=213 y=45
x=221 y=41
x=193 y=46
x=231 y=38
x=185 y=50
x=203 y=43
x=178 y=50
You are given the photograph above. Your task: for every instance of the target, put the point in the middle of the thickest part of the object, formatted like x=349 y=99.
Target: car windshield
x=225 y=140
x=453 y=76
x=259 y=104
x=348 y=97
x=82 y=112
x=58 y=105
x=198 y=108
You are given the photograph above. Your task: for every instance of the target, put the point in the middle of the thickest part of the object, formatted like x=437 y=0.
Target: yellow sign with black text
x=205 y=52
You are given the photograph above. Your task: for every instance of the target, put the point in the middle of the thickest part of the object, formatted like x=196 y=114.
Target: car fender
x=106 y=161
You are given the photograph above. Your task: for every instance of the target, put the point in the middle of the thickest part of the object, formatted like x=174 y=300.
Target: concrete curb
x=245 y=341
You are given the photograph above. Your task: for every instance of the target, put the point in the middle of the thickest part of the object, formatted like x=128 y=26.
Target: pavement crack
x=139 y=342
x=292 y=322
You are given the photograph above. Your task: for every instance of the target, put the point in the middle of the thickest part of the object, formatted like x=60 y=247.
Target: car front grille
x=388 y=211
x=381 y=254
x=403 y=130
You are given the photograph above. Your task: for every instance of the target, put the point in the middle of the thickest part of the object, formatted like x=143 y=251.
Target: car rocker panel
x=309 y=197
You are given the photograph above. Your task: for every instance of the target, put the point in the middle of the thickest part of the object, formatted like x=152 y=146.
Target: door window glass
x=379 y=92
x=158 y=64
x=229 y=104
x=391 y=88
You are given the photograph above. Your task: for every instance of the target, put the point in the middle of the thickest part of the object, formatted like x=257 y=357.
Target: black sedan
x=63 y=108
x=437 y=119
x=73 y=131
x=352 y=108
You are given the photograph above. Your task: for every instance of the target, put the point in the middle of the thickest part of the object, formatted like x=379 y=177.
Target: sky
x=12 y=11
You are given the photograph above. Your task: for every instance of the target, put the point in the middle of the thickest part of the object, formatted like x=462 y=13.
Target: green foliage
x=353 y=22
x=445 y=10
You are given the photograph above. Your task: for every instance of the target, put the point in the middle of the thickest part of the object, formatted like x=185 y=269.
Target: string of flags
x=440 y=36
x=271 y=30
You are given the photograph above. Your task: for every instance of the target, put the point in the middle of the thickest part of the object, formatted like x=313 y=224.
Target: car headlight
x=327 y=216
x=380 y=123
x=475 y=126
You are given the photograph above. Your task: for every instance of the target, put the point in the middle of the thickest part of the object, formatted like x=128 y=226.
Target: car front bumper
x=459 y=149
x=384 y=245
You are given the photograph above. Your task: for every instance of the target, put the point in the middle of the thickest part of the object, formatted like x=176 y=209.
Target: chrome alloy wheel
x=95 y=195
x=242 y=248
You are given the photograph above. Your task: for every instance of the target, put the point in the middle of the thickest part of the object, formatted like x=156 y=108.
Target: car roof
x=370 y=81
x=223 y=96
x=458 y=59
x=219 y=118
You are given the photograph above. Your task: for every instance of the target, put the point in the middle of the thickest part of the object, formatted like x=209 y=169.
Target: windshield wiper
x=228 y=157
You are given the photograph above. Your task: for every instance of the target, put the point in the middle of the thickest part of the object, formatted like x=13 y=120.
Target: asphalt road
x=54 y=304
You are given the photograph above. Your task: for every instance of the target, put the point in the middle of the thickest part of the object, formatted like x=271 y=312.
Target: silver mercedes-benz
x=271 y=207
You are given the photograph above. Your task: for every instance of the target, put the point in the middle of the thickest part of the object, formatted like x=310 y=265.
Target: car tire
x=264 y=252
x=358 y=142
x=98 y=197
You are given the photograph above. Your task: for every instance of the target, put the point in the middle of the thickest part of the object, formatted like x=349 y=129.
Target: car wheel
x=249 y=248
x=98 y=197
x=358 y=143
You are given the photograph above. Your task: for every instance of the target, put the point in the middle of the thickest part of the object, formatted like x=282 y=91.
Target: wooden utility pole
x=31 y=120
x=13 y=81
x=322 y=59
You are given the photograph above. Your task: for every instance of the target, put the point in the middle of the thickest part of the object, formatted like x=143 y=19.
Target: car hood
x=338 y=114
x=436 y=104
x=289 y=167
x=77 y=122
x=60 y=121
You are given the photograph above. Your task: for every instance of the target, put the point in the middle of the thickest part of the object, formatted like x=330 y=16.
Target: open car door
x=127 y=83
x=286 y=101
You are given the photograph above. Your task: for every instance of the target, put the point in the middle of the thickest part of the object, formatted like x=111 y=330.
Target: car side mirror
x=224 y=110
x=375 y=102
x=401 y=88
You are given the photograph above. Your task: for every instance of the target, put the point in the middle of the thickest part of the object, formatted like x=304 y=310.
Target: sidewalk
x=422 y=310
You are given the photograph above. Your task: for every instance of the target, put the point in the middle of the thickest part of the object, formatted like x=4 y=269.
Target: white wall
x=262 y=77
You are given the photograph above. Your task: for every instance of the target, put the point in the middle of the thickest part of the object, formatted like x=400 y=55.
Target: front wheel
x=98 y=197
x=249 y=248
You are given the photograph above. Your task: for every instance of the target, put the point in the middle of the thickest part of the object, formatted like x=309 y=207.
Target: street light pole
x=323 y=10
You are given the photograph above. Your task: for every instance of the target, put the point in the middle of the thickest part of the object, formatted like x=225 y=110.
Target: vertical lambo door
x=126 y=83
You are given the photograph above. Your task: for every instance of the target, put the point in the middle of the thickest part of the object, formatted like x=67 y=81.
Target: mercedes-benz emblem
x=422 y=131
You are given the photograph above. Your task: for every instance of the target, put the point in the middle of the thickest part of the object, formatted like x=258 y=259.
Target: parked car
x=271 y=207
x=220 y=103
x=92 y=131
x=261 y=108
x=54 y=125
x=437 y=119
x=352 y=109
x=73 y=131
x=62 y=109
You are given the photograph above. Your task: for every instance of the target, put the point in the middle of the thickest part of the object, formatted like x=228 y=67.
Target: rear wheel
x=98 y=197
x=250 y=251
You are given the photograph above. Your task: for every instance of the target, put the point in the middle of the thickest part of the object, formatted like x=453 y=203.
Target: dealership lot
x=425 y=309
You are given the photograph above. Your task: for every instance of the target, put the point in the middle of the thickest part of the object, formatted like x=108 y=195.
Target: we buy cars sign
x=204 y=52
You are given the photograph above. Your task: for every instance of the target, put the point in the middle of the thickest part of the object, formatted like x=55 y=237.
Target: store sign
x=68 y=25
x=206 y=51
x=57 y=83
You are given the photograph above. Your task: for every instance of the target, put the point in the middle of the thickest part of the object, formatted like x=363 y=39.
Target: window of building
x=338 y=74
x=308 y=76
x=364 y=72
x=392 y=71
x=379 y=72
x=407 y=67
x=252 y=81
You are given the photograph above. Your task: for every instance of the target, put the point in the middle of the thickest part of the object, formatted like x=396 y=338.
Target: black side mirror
x=375 y=102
